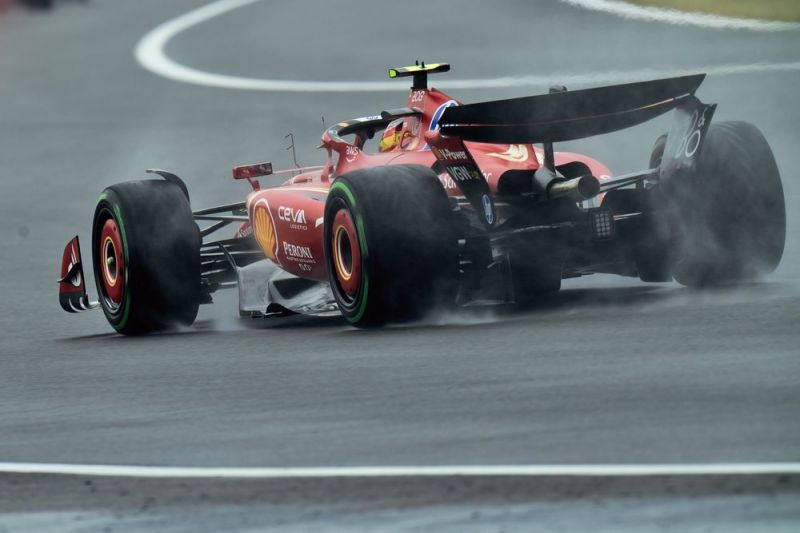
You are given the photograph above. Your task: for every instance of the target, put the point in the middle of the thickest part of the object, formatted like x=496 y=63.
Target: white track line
x=681 y=18
x=597 y=470
x=151 y=55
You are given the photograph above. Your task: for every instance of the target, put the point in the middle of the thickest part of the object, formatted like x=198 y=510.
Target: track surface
x=610 y=371
x=612 y=505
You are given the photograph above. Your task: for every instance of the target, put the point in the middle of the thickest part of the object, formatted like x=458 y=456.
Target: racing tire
x=391 y=250
x=647 y=241
x=729 y=218
x=534 y=276
x=146 y=256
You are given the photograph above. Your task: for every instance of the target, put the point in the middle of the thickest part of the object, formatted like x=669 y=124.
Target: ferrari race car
x=455 y=205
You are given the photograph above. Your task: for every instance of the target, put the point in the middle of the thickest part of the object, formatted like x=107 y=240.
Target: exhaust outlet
x=578 y=189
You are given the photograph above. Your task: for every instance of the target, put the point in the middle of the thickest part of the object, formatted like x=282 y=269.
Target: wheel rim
x=346 y=254
x=112 y=264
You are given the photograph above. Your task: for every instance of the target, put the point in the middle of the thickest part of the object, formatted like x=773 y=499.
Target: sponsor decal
x=245 y=230
x=77 y=279
x=458 y=156
x=252 y=171
x=516 y=153
x=295 y=217
x=437 y=116
x=463 y=174
x=488 y=209
x=351 y=153
x=265 y=230
x=295 y=252
x=289 y=214
x=685 y=138
x=447 y=181
x=71 y=272
x=690 y=141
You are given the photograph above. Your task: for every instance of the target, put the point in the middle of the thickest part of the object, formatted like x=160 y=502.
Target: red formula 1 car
x=455 y=204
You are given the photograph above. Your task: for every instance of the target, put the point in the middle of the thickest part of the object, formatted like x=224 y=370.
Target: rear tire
x=646 y=240
x=535 y=275
x=146 y=255
x=390 y=247
x=729 y=217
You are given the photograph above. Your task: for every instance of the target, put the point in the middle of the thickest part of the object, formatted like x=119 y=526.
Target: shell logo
x=265 y=231
x=516 y=153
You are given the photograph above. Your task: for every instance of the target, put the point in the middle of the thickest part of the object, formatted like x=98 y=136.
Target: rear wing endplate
x=685 y=139
x=454 y=156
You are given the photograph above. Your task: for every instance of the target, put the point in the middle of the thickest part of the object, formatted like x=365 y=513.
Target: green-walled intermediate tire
x=146 y=256
x=729 y=218
x=390 y=247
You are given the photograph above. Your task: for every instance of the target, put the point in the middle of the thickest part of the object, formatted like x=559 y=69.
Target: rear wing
x=568 y=115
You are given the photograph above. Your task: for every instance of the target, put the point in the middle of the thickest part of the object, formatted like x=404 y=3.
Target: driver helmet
x=402 y=133
x=392 y=135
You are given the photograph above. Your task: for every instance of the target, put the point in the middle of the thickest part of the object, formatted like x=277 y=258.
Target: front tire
x=146 y=255
x=390 y=248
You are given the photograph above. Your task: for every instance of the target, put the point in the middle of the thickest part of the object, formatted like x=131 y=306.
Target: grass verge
x=788 y=10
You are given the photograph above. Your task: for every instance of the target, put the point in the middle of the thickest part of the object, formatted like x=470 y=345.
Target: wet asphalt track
x=611 y=371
